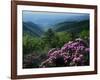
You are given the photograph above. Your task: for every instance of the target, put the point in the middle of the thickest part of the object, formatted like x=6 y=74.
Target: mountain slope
x=72 y=26
x=32 y=29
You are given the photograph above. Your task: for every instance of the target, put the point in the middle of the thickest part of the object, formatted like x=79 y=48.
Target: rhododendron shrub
x=73 y=53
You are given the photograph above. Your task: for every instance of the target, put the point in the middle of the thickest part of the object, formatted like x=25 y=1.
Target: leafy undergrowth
x=72 y=53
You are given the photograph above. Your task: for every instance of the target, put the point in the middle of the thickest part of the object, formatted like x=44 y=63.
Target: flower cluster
x=73 y=53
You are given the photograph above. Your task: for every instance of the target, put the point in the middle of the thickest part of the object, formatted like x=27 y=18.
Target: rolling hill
x=72 y=26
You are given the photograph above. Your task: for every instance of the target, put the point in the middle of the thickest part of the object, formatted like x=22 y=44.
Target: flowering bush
x=73 y=53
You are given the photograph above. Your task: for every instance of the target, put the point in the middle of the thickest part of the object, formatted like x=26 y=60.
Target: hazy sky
x=49 y=18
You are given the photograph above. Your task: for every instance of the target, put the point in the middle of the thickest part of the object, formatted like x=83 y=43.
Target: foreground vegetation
x=35 y=49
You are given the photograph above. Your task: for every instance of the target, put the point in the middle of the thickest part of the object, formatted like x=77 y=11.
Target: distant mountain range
x=71 y=26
